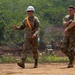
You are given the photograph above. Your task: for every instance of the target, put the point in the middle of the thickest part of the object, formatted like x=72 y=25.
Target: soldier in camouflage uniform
x=30 y=36
x=68 y=42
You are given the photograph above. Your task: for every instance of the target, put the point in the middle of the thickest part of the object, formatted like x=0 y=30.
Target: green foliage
x=43 y=59
x=29 y=59
x=51 y=58
x=2 y=25
x=7 y=59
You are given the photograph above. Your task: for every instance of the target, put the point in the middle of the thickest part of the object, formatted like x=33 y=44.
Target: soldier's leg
x=64 y=45
x=35 y=51
x=65 y=48
x=71 y=60
x=24 y=53
x=71 y=51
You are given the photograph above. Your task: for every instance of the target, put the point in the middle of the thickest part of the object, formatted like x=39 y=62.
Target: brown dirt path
x=43 y=69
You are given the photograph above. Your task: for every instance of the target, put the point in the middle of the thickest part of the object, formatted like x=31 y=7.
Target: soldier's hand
x=15 y=27
x=70 y=21
x=66 y=31
x=34 y=36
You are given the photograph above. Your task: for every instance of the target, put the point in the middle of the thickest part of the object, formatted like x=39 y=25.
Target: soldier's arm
x=71 y=26
x=66 y=23
x=37 y=29
x=20 y=27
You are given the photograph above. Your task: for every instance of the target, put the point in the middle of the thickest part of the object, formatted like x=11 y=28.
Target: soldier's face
x=71 y=11
x=30 y=13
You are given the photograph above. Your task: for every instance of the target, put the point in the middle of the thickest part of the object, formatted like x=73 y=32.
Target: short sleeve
x=74 y=18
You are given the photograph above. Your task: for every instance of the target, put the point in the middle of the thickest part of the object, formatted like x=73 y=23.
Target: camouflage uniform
x=28 y=40
x=68 y=42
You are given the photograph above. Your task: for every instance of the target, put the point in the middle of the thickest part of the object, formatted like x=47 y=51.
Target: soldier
x=68 y=42
x=31 y=26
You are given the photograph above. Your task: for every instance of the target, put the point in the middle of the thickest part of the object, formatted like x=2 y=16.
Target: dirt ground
x=43 y=69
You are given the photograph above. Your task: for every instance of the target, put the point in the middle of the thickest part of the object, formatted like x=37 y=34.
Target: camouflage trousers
x=30 y=43
x=68 y=45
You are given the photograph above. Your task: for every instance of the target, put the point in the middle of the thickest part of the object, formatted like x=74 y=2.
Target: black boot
x=71 y=59
x=36 y=63
x=21 y=64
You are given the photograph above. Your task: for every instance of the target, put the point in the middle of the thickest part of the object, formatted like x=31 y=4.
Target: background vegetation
x=49 y=12
x=42 y=59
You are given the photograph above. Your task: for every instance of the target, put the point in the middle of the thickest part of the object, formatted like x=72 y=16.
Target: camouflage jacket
x=72 y=30
x=34 y=22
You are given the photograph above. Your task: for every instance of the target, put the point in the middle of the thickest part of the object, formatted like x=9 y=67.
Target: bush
x=2 y=25
x=51 y=58
x=7 y=59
